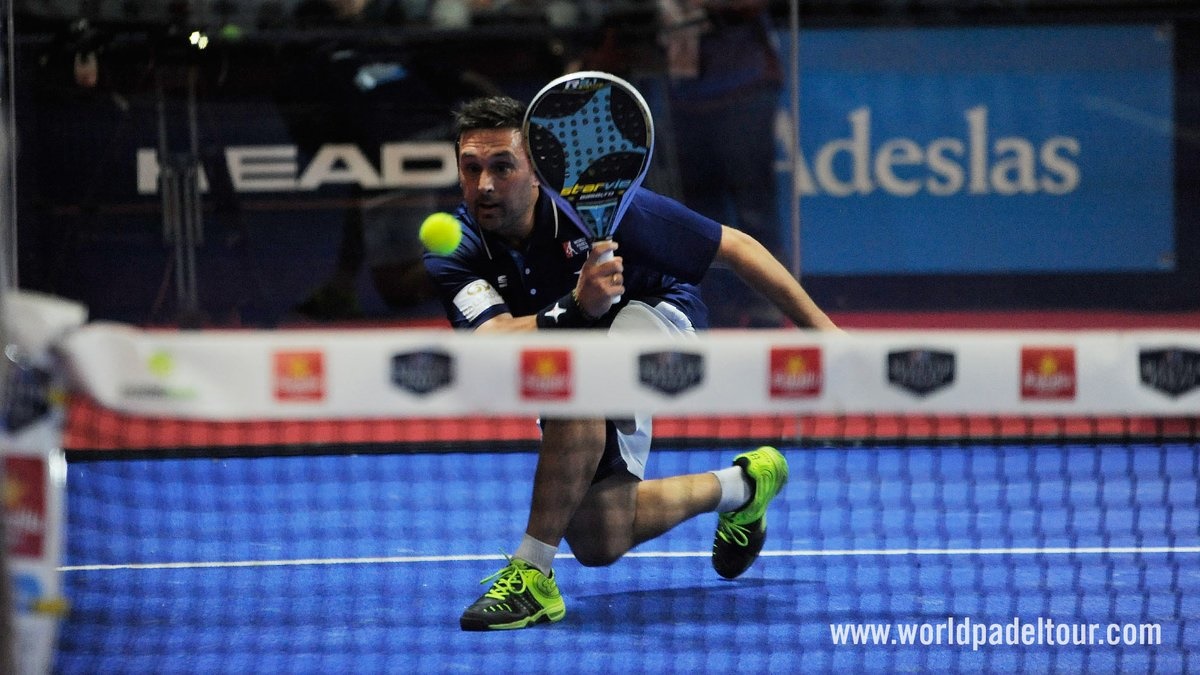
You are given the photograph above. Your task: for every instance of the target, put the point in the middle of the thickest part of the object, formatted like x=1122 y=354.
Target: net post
x=8 y=269
x=8 y=661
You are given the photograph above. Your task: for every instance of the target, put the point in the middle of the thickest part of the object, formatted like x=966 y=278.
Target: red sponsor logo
x=546 y=374
x=796 y=372
x=299 y=376
x=25 y=506
x=1047 y=373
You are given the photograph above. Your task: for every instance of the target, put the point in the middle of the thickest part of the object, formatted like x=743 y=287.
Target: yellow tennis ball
x=441 y=233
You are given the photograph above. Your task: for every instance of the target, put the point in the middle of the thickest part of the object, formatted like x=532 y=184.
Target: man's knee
x=575 y=432
x=598 y=555
x=602 y=530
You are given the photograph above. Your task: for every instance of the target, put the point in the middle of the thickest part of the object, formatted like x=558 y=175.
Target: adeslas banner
x=984 y=150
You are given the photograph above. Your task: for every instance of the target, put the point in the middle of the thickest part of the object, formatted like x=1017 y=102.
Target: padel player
x=523 y=266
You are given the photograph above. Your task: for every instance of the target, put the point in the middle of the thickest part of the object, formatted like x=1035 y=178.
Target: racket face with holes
x=590 y=137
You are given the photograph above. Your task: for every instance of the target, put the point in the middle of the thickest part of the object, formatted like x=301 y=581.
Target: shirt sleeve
x=669 y=237
x=467 y=296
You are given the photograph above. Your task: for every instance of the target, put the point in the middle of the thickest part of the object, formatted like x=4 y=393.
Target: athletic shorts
x=627 y=442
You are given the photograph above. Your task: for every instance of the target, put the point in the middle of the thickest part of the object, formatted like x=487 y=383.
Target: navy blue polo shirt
x=666 y=249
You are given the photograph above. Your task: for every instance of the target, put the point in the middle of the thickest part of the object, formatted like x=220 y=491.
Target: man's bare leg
x=524 y=592
x=621 y=512
x=567 y=461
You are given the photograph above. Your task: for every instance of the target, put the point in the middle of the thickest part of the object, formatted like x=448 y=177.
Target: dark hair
x=489 y=112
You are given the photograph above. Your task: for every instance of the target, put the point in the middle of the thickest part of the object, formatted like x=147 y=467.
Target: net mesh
x=92 y=427
x=902 y=542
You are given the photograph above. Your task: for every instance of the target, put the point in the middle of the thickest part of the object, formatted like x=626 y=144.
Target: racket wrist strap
x=566 y=312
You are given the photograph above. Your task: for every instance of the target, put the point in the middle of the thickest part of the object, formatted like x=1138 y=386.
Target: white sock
x=536 y=553
x=735 y=488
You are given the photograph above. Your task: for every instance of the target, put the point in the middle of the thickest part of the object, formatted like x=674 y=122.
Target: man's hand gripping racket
x=590 y=138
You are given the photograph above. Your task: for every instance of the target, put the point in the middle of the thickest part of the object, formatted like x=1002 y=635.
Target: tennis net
x=314 y=500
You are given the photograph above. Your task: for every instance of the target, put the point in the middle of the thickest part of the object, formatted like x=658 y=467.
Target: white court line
x=831 y=553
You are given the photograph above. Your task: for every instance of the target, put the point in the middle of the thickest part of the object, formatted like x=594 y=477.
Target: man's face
x=498 y=182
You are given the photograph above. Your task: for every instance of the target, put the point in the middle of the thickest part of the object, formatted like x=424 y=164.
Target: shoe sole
x=549 y=615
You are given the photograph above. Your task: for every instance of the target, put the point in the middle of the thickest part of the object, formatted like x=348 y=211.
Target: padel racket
x=590 y=137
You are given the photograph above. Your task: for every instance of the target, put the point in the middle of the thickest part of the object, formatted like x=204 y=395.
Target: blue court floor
x=362 y=564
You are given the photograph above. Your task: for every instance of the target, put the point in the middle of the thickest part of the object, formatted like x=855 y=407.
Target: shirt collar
x=545 y=215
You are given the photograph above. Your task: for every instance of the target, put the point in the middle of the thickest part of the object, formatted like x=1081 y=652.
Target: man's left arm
x=751 y=261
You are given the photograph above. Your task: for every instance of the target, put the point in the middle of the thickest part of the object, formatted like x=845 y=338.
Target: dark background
x=85 y=233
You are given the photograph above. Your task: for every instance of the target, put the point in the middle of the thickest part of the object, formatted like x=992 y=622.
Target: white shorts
x=628 y=444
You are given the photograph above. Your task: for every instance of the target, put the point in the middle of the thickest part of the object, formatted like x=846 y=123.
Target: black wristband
x=565 y=313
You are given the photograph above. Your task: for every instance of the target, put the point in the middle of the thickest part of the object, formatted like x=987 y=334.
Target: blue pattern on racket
x=590 y=136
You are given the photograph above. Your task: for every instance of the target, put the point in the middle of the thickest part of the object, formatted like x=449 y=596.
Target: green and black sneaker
x=742 y=533
x=520 y=596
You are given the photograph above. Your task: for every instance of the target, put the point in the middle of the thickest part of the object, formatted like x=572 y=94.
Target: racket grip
x=605 y=257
